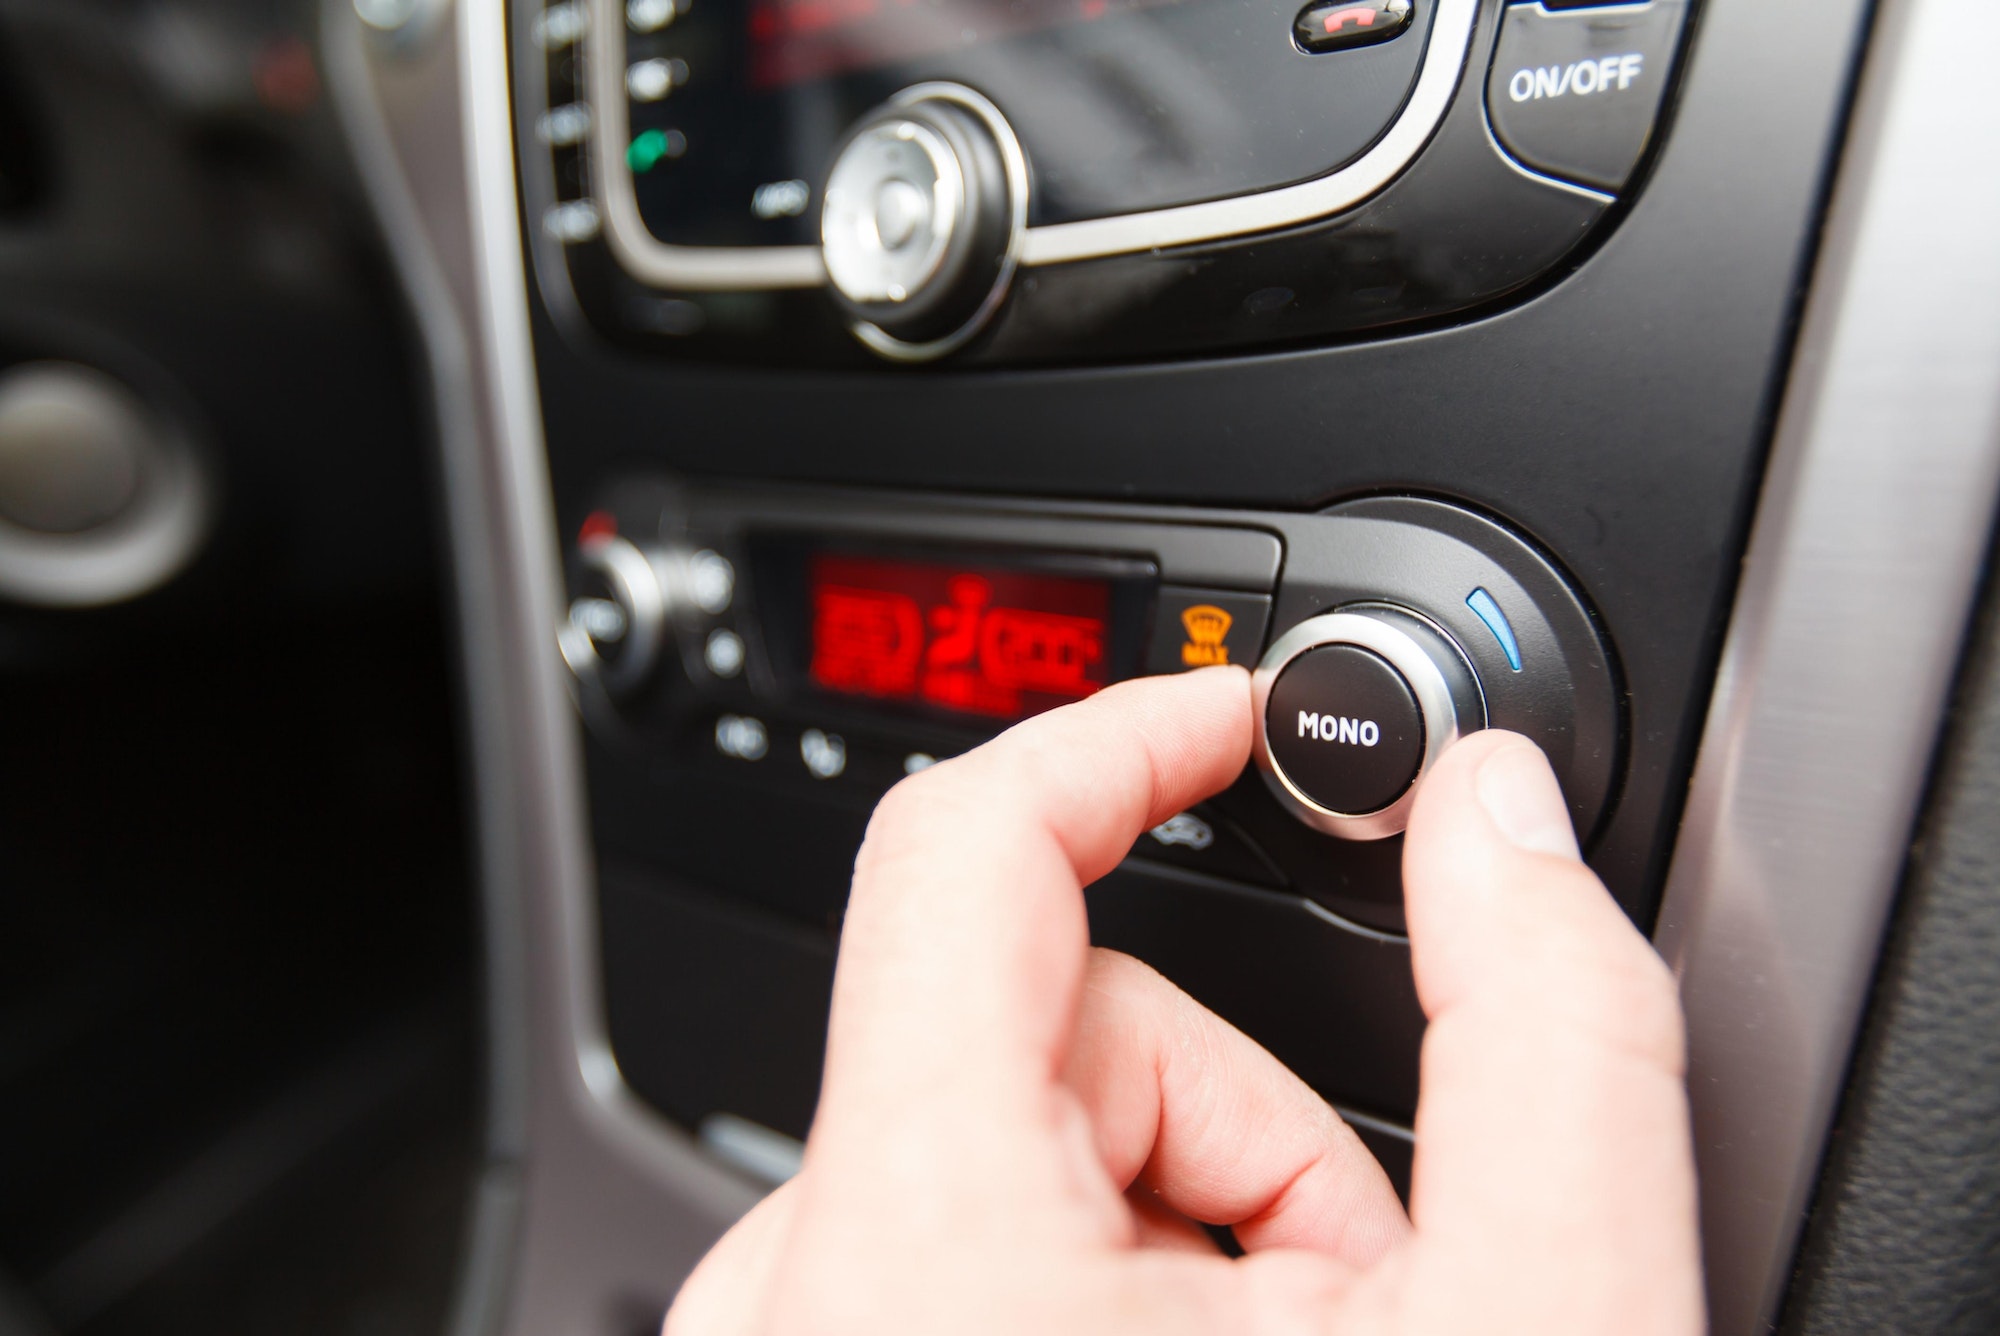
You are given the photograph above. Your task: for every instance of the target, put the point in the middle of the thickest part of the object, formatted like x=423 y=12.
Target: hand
x=1016 y=1132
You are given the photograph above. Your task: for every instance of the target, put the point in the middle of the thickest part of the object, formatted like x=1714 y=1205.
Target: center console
x=820 y=535
x=894 y=380
x=1072 y=180
x=836 y=382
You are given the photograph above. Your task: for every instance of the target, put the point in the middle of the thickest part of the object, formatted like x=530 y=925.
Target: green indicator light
x=645 y=152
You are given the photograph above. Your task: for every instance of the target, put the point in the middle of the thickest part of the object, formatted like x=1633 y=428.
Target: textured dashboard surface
x=1905 y=1235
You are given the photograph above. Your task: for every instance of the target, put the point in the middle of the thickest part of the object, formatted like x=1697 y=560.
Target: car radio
x=761 y=665
x=800 y=180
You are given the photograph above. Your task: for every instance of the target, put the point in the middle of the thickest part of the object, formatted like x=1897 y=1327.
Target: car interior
x=494 y=492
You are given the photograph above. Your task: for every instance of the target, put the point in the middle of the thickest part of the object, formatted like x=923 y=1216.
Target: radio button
x=1574 y=92
x=1345 y=728
x=711 y=581
x=723 y=653
x=825 y=754
x=1341 y=25
x=1194 y=628
x=651 y=80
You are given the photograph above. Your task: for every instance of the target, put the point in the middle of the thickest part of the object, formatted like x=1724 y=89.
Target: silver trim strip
x=1321 y=912
x=615 y=1204
x=1522 y=169
x=602 y=1165
x=708 y=268
x=645 y=256
x=1374 y=1124
x=1287 y=206
x=1867 y=549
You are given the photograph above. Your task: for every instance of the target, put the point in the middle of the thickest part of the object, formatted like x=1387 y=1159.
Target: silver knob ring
x=1014 y=165
x=861 y=261
x=1426 y=682
x=637 y=588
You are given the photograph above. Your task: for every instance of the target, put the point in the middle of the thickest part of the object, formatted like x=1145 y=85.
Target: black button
x=1206 y=841
x=1344 y=727
x=1574 y=92
x=1193 y=628
x=1338 y=25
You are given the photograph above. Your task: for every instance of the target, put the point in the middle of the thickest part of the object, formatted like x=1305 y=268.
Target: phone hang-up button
x=1340 y=25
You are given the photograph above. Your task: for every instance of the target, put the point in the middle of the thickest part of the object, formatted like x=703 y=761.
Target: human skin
x=1017 y=1132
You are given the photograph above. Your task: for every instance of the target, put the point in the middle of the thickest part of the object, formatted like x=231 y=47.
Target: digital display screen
x=1001 y=644
x=796 y=40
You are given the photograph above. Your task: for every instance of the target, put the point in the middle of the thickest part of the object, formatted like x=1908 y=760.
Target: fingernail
x=1522 y=799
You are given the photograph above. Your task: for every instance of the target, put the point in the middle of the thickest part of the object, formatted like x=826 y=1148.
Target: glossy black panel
x=711 y=1009
x=1144 y=105
x=1338 y=1008
x=1462 y=228
x=714 y=1009
x=1619 y=419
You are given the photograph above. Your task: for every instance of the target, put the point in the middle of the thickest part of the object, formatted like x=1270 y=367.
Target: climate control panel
x=819 y=646
x=756 y=667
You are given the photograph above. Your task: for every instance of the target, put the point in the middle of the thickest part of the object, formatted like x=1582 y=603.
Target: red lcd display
x=998 y=643
x=792 y=40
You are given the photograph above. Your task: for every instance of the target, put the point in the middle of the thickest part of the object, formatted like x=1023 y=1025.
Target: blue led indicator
x=1488 y=611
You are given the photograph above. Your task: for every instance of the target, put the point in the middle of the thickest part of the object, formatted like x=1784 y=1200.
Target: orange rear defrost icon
x=1206 y=626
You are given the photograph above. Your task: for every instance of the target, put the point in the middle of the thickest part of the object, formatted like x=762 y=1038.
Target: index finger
x=965 y=943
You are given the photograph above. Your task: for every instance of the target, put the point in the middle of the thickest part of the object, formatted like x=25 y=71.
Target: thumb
x=1554 y=1170
x=728 y=1294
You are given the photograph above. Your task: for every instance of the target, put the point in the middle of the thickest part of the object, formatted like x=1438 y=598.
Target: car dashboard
x=813 y=390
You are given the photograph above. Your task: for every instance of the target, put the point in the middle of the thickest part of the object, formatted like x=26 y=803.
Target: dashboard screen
x=733 y=112
x=1000 y=644
x=795 y=40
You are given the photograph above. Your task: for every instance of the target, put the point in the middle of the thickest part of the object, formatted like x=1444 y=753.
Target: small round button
x=711 y=581
x=723 y=652
x=1345 y=727
x=900 y=209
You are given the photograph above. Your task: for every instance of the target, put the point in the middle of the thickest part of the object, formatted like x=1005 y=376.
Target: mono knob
x=1352 y=708
x=923 y=213
x=617 y=623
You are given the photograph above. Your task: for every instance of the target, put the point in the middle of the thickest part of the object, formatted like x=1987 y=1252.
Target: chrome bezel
x=152 y=540
x=645 y=256
x=743 y=268
x=1014 y=161
x=1426 y=681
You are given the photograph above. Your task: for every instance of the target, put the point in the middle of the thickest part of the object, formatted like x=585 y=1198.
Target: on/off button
x=1344 y=727
x=1575 y=88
